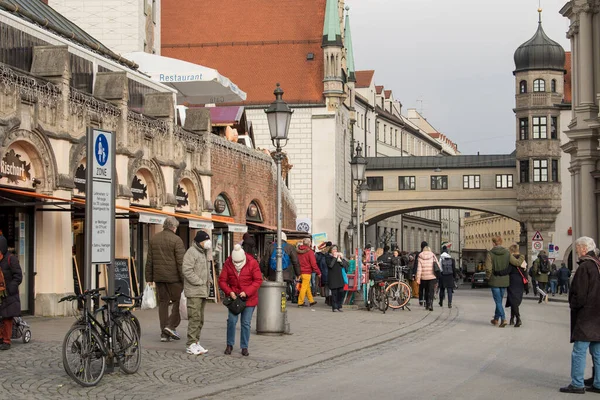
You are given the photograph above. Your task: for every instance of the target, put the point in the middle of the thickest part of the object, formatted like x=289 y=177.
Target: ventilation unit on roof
x=310 y=56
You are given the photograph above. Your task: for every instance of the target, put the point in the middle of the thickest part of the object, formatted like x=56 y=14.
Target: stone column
x=586 y=60
x=587 y=195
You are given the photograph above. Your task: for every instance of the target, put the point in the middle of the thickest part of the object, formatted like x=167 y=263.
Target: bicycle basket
x=377 y=275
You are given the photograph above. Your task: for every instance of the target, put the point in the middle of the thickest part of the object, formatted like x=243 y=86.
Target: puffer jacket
x=425 y=268
x=307 y=260
x=248 y=280
x=497 y=262
x=539 y=276
x=10 y=305
x=165 y=258
x=196 y=272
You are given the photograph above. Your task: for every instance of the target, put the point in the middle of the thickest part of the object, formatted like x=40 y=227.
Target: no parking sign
x=537 y=245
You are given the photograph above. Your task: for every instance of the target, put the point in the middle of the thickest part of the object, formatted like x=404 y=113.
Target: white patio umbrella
x=195 y=83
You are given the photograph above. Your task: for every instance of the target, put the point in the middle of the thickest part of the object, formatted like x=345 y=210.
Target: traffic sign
x=537 y=245
x=537 y=237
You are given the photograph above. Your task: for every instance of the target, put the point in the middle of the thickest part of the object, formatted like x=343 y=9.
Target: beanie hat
x=201 y=236
x=444 y=249
x=423 y=245
x=238 y=256
x=283 y=236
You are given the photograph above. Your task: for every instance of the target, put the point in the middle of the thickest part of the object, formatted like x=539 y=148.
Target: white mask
x=207 y=245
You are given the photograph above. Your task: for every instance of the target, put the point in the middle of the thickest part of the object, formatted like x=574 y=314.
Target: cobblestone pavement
x=35 y=370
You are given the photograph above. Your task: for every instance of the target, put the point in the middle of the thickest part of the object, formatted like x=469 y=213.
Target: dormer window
x=553 y=86
x=523 y=87
x=539 y=85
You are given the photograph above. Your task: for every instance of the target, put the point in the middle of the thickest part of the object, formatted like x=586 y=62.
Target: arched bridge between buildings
x=473 y=182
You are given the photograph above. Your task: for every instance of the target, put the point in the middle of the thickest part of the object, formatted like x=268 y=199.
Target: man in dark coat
x=584 y=300
x=564 y=274
x=10 y=303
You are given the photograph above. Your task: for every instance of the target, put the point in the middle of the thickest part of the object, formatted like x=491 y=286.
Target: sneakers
x=572 y=389
x=195 y=349
x=313 y=303
x=5 y=346
x=172 y=333
x=592 y=389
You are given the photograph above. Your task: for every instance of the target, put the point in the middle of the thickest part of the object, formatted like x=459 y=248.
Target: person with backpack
x=289 y=261
x=496 y=263
x=448 y=272
x=541 y=270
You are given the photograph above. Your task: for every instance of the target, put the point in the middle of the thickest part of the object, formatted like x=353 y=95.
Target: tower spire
x=349 y=48
x=539 y=12
x=332 y=33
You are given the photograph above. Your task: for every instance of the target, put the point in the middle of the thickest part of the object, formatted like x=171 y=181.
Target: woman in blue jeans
x=241 y=277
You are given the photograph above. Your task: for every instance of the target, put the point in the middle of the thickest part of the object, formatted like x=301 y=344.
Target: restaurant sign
x=16 y=168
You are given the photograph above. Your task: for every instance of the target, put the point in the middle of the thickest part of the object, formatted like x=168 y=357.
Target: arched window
x=539 y=85
x=553 y=86
x=523 y=87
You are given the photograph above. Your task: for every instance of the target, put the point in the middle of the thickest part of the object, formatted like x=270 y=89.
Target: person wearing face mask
x=335 y=263
x=196 y=286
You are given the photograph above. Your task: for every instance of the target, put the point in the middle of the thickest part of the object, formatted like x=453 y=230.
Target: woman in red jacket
x=240 y=276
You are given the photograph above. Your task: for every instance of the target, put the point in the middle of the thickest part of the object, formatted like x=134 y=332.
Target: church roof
x=364 y=78
x=250 y=48
x=349 y=50
x=332 y=33
x=539 y=53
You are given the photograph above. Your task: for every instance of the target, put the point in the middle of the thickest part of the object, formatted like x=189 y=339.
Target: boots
x=441 y=303
x=512 y=319
x=519 y=323
x=449 y=305
x=503 y=323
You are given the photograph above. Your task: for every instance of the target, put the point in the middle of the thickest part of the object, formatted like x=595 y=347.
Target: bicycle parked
x=399 y=291
x=90 y=341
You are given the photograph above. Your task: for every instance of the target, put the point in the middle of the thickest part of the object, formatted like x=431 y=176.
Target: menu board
x=123 y=282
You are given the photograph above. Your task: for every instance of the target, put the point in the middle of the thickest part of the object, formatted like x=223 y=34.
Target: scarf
x=239 y=266
x=3 y=292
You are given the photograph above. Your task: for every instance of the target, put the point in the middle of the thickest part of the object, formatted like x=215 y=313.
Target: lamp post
x=279 y=116
x=358 y=165
x=271 y=314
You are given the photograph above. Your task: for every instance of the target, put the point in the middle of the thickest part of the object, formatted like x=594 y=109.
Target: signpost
x=100 y=205
x=537 y=242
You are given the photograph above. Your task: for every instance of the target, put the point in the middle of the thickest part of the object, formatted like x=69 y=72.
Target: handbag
x=525 y=280
x=436 y=268
x=236 y=306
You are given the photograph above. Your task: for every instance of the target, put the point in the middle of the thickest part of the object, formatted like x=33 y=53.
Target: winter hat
x=238 y=256
x=444 y=249
x=543 y=253
x=424 y=244
x=283 y=236
x=201 y=236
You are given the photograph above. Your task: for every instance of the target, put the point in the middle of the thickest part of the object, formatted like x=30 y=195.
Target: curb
x=425 y=321
x=550 y=299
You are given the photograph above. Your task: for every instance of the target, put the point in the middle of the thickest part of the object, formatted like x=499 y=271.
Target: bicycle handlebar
x=82 y=296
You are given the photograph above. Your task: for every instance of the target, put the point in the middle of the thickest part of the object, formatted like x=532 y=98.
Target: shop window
x=504 y=181
x=523 y=128
x=540 y=128
x=539 y=85
x=523 y=87
x=406 y=183
x=540 y=170
x=524 y=171
x=471 y=181
x=375 y=183
x=439 y=182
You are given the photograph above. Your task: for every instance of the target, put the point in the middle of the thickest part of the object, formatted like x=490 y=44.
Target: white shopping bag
x=183 y=307
x=149 y=298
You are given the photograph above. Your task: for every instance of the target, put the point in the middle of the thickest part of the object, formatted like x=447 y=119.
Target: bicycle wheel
x=398 y=294
x=83 y=355
x=370 y=299
x=133 y=319
x=126 y=342
x=382 y=300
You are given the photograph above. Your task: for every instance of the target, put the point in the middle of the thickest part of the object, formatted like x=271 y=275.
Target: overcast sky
x=455 y=55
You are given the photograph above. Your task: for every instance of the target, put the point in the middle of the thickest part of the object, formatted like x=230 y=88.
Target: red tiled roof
x=568 y=95
x=388 y=93
x=379 y=89
x=364 y=78
x=255 y=43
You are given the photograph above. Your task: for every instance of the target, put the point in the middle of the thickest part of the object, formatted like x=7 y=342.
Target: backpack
x=447 y=266
x=544 y=267
x=285 y=259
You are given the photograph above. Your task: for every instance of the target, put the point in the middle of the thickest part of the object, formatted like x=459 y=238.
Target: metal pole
x=279 y=274
x=358 y=239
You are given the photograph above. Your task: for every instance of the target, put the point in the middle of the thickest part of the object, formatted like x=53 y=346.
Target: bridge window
x=504 y=181
x=524 y=170
x=554 y=170
x=471 y=181
x=439 y=182
x=540 y=170
x=539 y=85
x=553 y=127
x=523 y=128
x=375 y=183
x=539 y=128
x=523 y=87
x=406 y=183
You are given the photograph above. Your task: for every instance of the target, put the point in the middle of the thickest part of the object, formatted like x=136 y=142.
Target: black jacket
x=291 y=272
x=564 y=274
x=10 y=306
x=335 y=278
x=322 y=264
x=584 y=300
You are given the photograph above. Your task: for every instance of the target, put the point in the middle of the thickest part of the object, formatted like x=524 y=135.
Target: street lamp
x=364 y=193
x=358 y=165
x=350 y=229
x=279 y=116
x=272 y=311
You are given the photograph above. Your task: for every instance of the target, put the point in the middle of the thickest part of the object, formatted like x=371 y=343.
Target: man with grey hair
x=163 y=270
x=584 y=300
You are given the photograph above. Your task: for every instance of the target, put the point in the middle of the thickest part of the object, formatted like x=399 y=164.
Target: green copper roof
x=349 y=51
x=332 y=33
